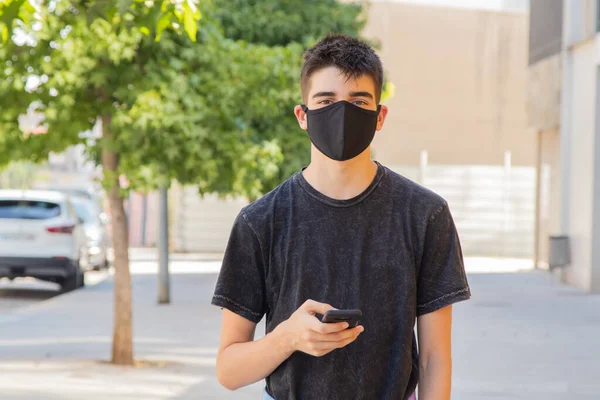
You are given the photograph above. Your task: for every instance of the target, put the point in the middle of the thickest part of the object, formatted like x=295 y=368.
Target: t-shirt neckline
x=314 y=193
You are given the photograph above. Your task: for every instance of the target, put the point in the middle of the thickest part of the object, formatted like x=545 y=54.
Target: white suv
x=41 y=237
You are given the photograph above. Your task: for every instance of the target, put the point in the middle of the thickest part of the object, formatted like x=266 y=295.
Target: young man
x=348 y=233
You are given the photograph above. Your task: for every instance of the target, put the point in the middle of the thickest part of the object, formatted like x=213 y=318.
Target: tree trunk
x=122 y=350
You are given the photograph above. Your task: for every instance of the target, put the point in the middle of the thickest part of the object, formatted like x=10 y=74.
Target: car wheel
x=81 y=279
x=74 y=281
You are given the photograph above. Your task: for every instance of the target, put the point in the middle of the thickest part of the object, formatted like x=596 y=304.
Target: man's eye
x=360 y=103
x=325 y=102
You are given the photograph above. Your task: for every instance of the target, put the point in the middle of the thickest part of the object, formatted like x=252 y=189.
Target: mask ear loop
x=304 y=107
x=378 y=109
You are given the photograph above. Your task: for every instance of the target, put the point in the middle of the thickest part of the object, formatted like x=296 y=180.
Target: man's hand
x=242 y=361
x=304 y=332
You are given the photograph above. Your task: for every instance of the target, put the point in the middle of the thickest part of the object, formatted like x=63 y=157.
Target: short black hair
x=352 y=56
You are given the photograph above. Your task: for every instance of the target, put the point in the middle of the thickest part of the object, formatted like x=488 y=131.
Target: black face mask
x=341 y=130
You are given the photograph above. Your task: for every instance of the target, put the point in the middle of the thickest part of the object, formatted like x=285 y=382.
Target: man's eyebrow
x=323 y=94
x=361 y=94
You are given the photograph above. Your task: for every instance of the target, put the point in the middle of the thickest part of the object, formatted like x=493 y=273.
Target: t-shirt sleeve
x=442 y=280
x=241 y=284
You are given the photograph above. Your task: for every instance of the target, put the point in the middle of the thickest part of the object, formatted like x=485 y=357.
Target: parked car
x=41 y=237
x=89 y=192
x=95 y=228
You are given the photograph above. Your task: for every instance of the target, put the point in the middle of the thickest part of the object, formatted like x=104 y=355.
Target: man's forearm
x=435 y=379
x=242 y=364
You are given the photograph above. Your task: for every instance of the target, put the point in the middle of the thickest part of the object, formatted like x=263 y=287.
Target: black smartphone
x=352 y=317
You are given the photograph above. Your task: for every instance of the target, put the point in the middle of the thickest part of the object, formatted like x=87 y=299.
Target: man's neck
x=341 y=180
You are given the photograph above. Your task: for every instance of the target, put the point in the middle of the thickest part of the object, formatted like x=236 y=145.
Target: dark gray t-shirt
x=392 y=252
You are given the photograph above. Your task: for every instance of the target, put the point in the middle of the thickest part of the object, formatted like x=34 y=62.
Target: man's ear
x=301 y=117
x=381 y=117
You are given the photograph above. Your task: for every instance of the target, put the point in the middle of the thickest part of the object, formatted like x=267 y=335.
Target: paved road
x=23 y=292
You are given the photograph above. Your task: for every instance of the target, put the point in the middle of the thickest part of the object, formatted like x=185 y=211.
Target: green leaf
x=28 y=7
x=150 y=19
x=389 y=89
x=4 y=32
x=145 y=30
x=163 y=23
x=26 y=12
x=10 y=12
x=189 y=21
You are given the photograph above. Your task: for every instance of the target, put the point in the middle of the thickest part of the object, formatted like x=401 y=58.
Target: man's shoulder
x=269 y=204
x=414 y=195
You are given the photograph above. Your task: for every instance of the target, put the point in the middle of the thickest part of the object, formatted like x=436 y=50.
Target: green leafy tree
x=280 y=31
x=83 y=62
x=279 y=23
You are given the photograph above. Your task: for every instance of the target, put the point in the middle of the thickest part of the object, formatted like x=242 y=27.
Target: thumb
x=314 y=307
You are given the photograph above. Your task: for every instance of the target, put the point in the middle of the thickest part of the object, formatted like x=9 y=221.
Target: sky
x=510 y=5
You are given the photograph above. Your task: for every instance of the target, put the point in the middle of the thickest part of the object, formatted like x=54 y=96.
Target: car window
x=28 y=209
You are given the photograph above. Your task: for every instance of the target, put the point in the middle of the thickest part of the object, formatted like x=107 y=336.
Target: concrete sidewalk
x=522 y=336
x=526 y=336
x=57 y=349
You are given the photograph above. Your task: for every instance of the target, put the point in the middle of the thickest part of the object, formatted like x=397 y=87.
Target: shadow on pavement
x=22 y=292
x=28 y=294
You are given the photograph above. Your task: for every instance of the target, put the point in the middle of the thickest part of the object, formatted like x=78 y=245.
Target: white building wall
x=595 y=268
x=581 y=159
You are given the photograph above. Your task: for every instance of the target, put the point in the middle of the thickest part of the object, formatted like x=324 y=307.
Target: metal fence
x=493 y=206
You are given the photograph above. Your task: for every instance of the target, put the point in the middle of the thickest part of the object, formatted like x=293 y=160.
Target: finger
x=326 y=328
x=337 y=336
x=326 y=347
x=346 y=342
x=316 y=308
x=321 y=353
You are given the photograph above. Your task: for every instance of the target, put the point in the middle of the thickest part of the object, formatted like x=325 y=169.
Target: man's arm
x=242 y=360
x=435 y=356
